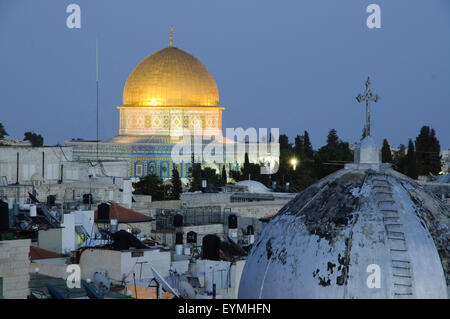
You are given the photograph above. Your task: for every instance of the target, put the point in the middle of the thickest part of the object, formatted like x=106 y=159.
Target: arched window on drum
x=139 y=169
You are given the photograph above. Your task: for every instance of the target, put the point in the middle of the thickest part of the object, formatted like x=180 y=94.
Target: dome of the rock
x=170 y=77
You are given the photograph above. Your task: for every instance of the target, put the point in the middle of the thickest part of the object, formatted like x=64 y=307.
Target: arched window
x=139 y=169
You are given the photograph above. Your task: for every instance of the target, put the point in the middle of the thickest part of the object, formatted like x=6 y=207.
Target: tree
x=246 y=168
x=2 y=131
x=299 y=148
x=411 y=168
x=332 y=139
x=436 y=158
x=427 y=152
x=332 y=156
x=284 y=142
x=152 y=185
x=399 y=159
x=224 y=175
x=386 y=155
x=195 y=175
x=254 y=171
x=307 y=147
x=211 y=177
x=177 y=188
x=35 y=139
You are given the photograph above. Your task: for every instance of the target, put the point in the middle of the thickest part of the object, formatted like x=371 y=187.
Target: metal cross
x=367 y=97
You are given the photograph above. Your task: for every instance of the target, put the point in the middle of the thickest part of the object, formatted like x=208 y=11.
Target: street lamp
x=294 y=163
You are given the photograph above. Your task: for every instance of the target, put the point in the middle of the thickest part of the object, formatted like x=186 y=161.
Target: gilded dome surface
x=170 y=77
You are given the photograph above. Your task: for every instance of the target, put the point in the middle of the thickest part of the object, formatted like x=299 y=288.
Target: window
x=136 y=254
x=139 y=169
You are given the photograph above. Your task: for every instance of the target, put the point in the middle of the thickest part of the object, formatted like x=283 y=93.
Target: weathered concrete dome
x=324 y=242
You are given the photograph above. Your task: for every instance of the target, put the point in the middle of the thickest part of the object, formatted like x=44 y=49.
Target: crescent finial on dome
x=171 y=36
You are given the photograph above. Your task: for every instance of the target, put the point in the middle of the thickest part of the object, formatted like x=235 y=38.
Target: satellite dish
x=164 y=283
x=135 y=231
x=186 y=290
x=102 y=282
x=91 y=293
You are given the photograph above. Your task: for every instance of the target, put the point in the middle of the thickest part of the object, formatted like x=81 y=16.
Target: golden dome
x=170 y=77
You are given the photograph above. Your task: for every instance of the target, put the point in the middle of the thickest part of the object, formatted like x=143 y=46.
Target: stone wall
x=145 y=227
x=53 y=267
x=42 y=162
x=257 y=209
x=203 y=230
x=120 y=265
x=14 y=266
x=167 y=238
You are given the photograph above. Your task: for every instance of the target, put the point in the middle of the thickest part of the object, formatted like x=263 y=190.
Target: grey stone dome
x=254 y=186
x=321 y=243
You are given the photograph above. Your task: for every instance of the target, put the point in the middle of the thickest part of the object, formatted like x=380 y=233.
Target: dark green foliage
x=212 y=178
x=2 y=131
x=177 y=187
x=253 y=171
x=333 y=156
x=284 y=142
x=196 y=176
x=246 y=167
x=152 y=185
x=411 y=169
x=332 y=139
x=427 y=152
x=386 y=155
x=307 y=147
x=399 y=159
x=302 y=147
x=299 y=147
x=224 y=175
x=35 y=139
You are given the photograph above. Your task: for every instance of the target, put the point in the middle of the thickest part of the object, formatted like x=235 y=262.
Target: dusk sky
x=295 y=65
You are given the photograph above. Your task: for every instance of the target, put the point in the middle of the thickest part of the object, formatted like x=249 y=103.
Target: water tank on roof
x=250 y=235
x=178 y=220
x=179 y=238
x=191 y=237
x=113 y=226
x=232 y=221
x=87 y=199
x=103 y=211
x=211 y=247
x=179 y=243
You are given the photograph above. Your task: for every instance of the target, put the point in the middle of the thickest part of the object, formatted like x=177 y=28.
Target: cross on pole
x=367 y=97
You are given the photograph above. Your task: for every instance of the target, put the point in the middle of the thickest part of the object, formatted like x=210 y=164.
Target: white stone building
x=50 y=170
x=14 y=266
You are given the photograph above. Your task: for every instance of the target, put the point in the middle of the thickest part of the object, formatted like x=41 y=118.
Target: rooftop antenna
x=96 y=81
